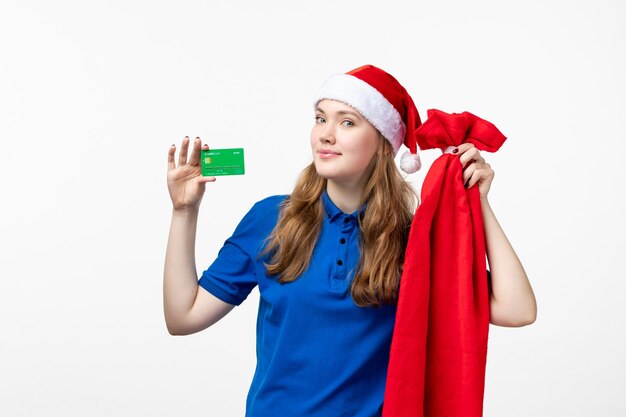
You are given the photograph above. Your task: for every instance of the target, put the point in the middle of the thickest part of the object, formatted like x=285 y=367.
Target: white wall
x=92 y=94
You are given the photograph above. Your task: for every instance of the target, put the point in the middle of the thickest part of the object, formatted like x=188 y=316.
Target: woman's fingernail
x=455 y=150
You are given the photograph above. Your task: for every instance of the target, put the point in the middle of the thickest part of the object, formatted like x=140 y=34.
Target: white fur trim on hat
x=369 y=102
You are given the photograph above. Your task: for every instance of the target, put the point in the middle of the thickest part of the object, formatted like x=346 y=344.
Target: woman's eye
x=349 y=121
x=318 y=117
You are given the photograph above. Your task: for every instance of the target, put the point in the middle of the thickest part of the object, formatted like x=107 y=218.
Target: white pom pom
x=410 y=162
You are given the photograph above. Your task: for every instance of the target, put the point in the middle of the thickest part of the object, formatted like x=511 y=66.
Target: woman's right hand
x=185 y=181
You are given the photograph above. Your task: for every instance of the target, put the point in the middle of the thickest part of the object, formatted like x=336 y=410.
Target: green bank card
x=222 y=162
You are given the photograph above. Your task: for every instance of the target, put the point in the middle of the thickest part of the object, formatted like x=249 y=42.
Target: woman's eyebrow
x=341 y=112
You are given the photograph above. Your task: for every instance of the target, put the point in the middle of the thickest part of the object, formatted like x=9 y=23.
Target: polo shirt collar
x=333 y=212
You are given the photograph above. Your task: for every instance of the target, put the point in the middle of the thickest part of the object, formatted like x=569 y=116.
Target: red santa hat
x=384 y=102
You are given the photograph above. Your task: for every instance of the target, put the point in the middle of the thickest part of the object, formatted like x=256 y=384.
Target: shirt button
x=339 y=262
x=342 y=241
x=328 y=215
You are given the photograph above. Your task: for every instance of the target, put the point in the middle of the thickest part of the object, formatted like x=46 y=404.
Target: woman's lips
x=327 y=154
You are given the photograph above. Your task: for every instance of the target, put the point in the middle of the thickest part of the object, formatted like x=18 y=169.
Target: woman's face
x=343 y=143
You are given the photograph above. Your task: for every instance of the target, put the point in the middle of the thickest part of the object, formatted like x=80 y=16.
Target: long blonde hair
x=383 y=228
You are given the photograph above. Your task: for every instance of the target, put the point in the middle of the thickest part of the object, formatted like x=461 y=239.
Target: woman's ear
x=385 y=147
x=381 y=144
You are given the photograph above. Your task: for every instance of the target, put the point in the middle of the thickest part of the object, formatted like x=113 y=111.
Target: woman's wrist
x=185 y=212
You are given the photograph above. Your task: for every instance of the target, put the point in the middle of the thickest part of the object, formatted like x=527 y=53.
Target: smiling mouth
x=328 y=155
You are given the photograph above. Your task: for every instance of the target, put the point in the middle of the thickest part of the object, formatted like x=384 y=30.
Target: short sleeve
x=231 y=277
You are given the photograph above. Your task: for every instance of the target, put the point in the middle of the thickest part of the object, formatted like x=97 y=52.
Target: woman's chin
x=324 y=172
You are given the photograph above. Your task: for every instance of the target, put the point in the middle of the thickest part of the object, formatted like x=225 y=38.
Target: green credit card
x=222 y=162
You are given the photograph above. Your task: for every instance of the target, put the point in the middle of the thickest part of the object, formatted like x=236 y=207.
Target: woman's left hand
x=475 y=169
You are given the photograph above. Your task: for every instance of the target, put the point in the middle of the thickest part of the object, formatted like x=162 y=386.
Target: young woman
x=327 y=259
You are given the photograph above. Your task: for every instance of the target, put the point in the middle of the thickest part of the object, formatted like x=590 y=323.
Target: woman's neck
x=346 y=198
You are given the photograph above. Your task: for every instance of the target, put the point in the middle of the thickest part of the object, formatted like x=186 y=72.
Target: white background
x=92 y=94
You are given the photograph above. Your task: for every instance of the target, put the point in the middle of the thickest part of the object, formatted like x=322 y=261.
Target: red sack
x=439 y=347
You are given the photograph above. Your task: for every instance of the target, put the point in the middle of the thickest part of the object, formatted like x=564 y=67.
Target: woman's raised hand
x=185 y=181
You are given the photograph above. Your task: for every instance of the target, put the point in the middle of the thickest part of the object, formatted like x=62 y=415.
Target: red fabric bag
x=439 y=348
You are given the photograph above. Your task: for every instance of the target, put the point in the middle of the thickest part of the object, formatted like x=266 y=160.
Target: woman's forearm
x=512 y=301
x=180 y=280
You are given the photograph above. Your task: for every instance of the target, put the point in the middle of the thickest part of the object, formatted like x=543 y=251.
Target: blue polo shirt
x=318 y=353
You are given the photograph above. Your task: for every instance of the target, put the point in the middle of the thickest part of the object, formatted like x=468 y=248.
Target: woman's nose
x=327 y=136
